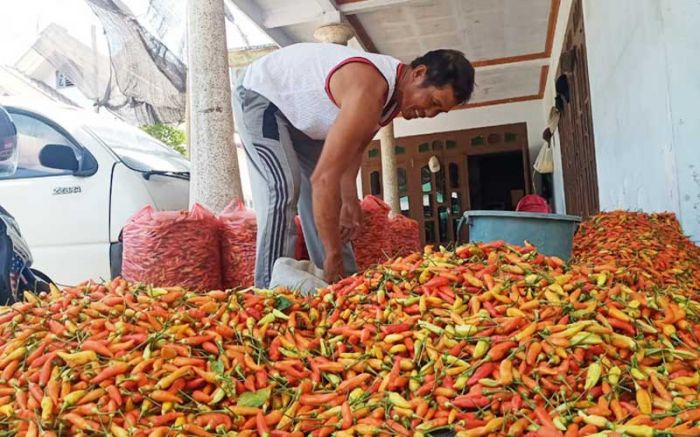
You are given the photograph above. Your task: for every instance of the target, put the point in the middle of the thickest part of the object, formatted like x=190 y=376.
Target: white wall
x=528 y=112
x=681 y=20
x=548 y=102
x=644 y=64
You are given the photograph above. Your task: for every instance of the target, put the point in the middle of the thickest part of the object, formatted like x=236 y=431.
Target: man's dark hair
x=448 y=67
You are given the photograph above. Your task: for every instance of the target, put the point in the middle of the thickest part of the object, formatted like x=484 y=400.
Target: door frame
x=412 y=154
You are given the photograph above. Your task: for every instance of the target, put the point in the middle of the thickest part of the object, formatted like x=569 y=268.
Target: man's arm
x=349 y=179
x=359 y=91
x=350 y=210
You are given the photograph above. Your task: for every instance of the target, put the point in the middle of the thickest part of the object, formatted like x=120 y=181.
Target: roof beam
x=252 y=10
x=358 y=7
x=541 y=62
x=296 y=15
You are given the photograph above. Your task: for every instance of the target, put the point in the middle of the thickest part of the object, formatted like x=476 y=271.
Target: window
x=426 y=179
x=454 y=175
x=32 y=135
x=402 y=180
x=373 y=153
x=443 y=220
x=375 y=184
x=138 y=150
x=440 y=186
x=62 y=81
x=478 y=141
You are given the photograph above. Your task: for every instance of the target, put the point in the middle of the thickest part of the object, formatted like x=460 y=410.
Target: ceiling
x=508 y=41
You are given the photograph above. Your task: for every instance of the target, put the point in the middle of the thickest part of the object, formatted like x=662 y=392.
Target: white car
x=79 y=177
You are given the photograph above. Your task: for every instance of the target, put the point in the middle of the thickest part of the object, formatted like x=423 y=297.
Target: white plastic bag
x=545 y=161
x=301 y=276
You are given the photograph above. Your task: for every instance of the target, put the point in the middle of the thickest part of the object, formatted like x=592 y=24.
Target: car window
x=138 y=150
x=32 y=135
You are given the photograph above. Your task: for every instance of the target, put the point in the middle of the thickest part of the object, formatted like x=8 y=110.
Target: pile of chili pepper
x=484 y=340
x=650 y=248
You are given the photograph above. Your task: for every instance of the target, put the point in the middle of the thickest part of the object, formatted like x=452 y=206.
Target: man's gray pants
x=281 y=160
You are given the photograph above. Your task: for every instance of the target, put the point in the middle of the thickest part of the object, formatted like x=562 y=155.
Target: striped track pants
x=281 y=160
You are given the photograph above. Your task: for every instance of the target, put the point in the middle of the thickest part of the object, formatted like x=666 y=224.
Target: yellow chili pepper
x=643 y=401
x=78 y=358
x=593 y=375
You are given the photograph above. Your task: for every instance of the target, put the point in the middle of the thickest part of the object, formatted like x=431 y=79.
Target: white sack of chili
x=373 y=242
x=173 y=248
x=238 y=234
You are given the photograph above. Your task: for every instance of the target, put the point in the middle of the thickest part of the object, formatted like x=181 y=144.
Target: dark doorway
x=496 y=181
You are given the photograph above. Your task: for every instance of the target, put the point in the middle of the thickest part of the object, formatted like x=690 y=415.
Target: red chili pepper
x=483 y=371
x=626 y=327
x=395 y=329
x=470 y=401
x=91 y=345
x=110 y=372
x=543 y=417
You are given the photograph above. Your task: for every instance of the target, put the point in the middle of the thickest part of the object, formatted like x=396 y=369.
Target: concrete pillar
x=390 y=186
x=336 y=33
x=215 y=177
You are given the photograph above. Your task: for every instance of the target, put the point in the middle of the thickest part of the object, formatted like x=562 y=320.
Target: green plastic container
x=553 y=234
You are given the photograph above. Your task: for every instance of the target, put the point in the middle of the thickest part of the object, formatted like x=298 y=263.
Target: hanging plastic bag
x=173 y=248
x=545 y=161
x=238 y=243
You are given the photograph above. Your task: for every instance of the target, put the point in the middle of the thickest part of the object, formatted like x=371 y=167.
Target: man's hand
x=333 y=269
x=350 y=220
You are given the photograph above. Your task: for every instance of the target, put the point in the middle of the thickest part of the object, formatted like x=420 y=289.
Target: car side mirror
x=59 y=156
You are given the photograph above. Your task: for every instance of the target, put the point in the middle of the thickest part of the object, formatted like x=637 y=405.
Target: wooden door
x=442 y=196
x=576 y=124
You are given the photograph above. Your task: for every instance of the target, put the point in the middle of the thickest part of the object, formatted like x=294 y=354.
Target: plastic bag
x=173 y=248
x=405 y=235
x=373 y=243
x=533 y=203
x=302 y=276
x=545 y=161
x=238 y=243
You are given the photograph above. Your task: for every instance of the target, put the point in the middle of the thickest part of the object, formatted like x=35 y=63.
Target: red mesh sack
x=301 y=253
x=405 y=235
x=373 y=242
x=238 y=241
x=533 y=203
x=173 y=248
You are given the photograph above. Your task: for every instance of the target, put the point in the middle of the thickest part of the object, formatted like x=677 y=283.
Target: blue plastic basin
x=553 y=234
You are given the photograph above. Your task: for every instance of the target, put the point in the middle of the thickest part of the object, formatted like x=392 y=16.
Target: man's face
x=420 y=101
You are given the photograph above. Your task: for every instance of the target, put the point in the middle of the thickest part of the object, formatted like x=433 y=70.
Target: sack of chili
x=404 y=234
x=373 y=242
x=173 y=248
x=238 y=242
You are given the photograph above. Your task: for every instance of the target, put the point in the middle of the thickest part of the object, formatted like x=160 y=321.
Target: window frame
x=87 y=164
